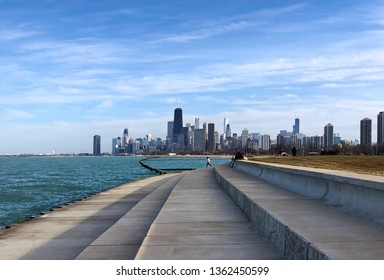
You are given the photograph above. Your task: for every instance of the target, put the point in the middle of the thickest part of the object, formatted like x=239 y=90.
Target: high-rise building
x=225 y=125
x=366 y=131
x=177 y=124
x=244 y=138
x=228 y=132
x=296 y=126
x=380 y=128
x=197 y=123
x=211 y=144
x=114 y=146
x=265 y=142
x=199 y=141
x=96 y=145
x=328 y=136
x=125 y=137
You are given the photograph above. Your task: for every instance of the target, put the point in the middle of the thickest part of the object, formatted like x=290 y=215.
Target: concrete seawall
x=356 y=194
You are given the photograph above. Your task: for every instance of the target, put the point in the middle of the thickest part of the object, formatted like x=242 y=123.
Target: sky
x=72 y=69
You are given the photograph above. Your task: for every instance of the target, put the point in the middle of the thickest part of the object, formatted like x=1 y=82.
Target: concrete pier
x=209 y=213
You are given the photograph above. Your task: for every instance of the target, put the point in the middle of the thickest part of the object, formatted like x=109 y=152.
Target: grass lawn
x=373 y=165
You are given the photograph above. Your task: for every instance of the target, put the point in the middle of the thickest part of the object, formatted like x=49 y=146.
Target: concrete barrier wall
x=360 y=195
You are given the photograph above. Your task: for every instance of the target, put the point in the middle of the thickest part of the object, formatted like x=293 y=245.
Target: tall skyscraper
x=380 y=128
x=328 y=136
x=228 y=132
x=170 y=131
x=125 y=137
x=96 y=145
x=197 y=123
x=265 y=142
x=296 y=126
x=211 y=145
x=114 y=145
x=366 y=131
x=199 y=142
x=177 y=124
x=225 y=125
x=244 y=138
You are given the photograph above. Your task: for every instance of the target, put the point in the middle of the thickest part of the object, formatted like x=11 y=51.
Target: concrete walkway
x=200 y=221
x=175 y=216
x=210 y=213
x=64 y=233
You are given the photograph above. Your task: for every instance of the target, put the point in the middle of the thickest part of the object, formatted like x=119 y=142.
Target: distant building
x=366 y=131
x=211 y=144
x=125 y=137
x=177 y=124
x=225 y=125
x=265 y=142
x=114 y=146
x=244 y=138
x=96 y=145
x=228 y=132
x=366 y=135
x=197 y=123
x=296 y=126
x=313 y=143
x=199 y=141
x=328 y=136
x=380 y=128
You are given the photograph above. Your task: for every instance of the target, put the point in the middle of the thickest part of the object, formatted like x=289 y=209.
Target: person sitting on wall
x=238 y=155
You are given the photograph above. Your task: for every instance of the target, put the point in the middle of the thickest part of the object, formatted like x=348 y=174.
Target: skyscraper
x=177 y=124
x=244 y=138
x=114 y=145
x=199 y=142
x=228 y=132
x=197 y=123
x=380 y=128
x=96 y=145
x=328 y=136
x=170 y=131
x=366 y=131
x=296 y=126
x=225 y=125
x=125 y=137
x=211 y=145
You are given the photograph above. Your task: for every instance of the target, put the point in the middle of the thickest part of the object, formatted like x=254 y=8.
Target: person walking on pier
x=208 y=162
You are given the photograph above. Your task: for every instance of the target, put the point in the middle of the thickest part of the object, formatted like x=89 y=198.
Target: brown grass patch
x=373 y=165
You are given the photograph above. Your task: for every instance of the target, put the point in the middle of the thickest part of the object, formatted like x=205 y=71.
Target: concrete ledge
x=360 y=195
x=300 y=227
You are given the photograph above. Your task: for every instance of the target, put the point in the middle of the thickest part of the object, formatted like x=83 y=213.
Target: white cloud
x=12 y=114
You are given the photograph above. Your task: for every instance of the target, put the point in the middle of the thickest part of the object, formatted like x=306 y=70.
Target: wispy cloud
x=13 y=33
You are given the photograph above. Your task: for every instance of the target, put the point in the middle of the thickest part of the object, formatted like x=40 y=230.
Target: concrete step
x=200 y=221
x=123 y=239
x=64 y=233
x=300 y=227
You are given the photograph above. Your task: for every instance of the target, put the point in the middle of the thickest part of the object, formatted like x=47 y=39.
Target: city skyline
x=191 y=138
x=77 y=69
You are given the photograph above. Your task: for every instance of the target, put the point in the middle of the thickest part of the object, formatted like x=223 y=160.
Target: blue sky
x=73 y=69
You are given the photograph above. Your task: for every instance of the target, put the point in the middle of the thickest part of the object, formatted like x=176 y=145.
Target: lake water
x=31 y=185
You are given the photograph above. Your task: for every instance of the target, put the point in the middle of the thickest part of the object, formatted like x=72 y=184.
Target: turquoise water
x=31 y=185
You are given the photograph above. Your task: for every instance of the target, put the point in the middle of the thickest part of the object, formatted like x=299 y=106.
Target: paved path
x=176 y=216
x=200 y=221
x=191 y=216
x=64 y=233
